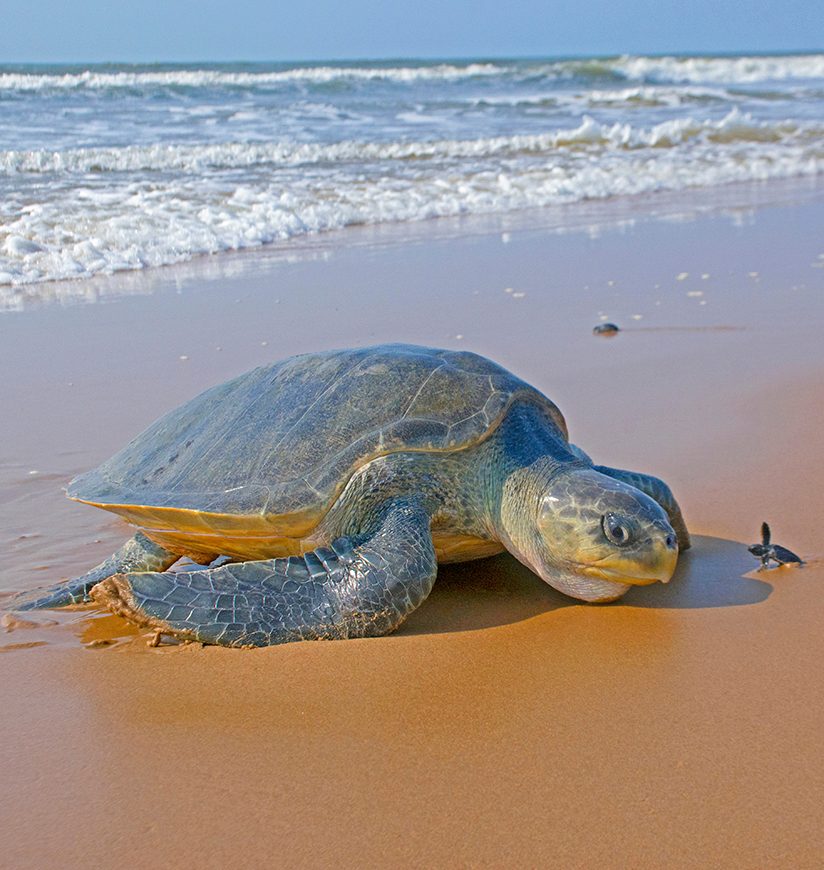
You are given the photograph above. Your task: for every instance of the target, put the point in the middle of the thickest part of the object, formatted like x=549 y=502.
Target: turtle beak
x=655 y=563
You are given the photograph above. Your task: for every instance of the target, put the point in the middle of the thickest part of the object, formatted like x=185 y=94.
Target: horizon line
x=423 y=58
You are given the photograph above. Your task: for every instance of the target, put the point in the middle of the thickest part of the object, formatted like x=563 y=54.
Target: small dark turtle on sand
x=767 y=552
x=607 y=329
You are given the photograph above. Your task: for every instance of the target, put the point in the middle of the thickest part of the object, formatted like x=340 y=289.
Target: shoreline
x=504 y=722
x=584 y=216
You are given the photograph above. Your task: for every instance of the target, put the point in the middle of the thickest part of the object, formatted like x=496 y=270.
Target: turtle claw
x=155 y=639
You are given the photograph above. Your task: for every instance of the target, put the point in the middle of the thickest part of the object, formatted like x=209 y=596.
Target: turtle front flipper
x=137 y=554
x=361 y=587
x=656 y=489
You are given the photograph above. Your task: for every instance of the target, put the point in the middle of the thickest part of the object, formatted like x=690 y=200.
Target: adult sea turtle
x=335 y=482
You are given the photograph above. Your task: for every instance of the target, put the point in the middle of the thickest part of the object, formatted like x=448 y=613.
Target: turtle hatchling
x=768 y=552
x=335 y=482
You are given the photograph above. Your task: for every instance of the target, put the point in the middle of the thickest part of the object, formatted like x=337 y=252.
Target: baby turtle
x=768 y=552
x=336 y=482
x=606 y=329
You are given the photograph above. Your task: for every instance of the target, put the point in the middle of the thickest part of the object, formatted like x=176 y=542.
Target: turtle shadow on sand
x=500 y=591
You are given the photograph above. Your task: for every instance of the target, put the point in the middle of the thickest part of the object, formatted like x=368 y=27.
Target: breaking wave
x=136 y=207
x=123 y=167
x=673 y=69
x=734 y=127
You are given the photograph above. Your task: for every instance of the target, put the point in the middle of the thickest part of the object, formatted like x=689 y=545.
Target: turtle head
x=586 y=534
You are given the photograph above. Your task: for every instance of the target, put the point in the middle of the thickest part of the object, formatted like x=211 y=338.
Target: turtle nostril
x=672 y=541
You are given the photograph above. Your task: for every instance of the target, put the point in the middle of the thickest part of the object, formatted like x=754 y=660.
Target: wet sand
x=504 y=724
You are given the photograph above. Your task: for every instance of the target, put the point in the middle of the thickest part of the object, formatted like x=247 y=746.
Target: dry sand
x=504 y=724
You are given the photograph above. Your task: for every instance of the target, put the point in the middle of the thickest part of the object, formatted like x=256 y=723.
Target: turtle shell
x=275 y=446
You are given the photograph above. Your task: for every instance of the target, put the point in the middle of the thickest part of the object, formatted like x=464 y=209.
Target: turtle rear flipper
x=784 y=556
x=137 y=554
x=361 y=588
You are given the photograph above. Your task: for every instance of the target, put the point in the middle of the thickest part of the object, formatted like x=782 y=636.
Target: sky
x=223 y=30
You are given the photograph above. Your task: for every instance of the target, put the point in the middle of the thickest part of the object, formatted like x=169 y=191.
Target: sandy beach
x=504 y=724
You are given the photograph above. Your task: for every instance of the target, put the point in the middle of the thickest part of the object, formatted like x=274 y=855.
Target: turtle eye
x=616 y=530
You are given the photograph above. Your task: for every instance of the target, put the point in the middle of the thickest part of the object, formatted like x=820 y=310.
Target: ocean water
x=122 y=167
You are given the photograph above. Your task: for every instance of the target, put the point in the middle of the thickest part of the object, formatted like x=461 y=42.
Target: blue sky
x=149 y=30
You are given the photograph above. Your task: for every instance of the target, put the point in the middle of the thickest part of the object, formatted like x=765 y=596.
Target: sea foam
x=216 y=78
x=730 y=70
x=136 y=207
x=735 y=126
x=121 y=168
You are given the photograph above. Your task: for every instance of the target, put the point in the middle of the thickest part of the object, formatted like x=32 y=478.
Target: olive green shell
x=283 y=439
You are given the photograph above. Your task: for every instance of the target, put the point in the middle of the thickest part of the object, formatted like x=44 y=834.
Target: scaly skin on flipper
x=137 y=554
x=357 y=588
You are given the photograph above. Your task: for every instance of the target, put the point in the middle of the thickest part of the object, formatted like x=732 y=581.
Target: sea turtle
x=768 y=552
x=336 y=481
x=608 y=329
